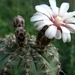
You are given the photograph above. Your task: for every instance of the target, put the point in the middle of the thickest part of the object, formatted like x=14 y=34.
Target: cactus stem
x=27 y=72
x=22 y=51
x=40 y=35
x=28 y=54
x=51 y=55
x=33 y=52
x=1 y=50
x=30 y=60
x=44 y=66
x=46 y=73
x=5 y=69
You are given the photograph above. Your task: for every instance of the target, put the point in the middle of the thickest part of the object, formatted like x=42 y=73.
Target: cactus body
x=31 y=60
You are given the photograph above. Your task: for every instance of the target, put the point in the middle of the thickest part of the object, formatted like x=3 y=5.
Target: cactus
x=27 y=58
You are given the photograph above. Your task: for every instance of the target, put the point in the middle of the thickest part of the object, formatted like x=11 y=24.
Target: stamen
x=58 y=19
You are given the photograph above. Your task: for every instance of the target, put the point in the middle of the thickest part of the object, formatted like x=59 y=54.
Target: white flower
x=61 y=23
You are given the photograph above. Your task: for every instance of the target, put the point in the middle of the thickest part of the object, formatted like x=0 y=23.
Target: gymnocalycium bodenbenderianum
x=25 y=54
x=20 y=54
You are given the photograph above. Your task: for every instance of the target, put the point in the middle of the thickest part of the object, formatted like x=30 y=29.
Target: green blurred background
x=26 y=8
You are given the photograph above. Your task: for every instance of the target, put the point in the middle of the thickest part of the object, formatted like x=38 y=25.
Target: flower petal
x=47 y=8
x=71 y=26
x=55 y=9
x=39 y=25
x=52 y=3
x=66 y=37
x=64 y=29
x=72 y=20
x=58 y=34
x=42 y=10
x=67 y=16
x=48 y=22
x=38 y=17
x=65 y=34
x=63 y=8
x=71 y=30
x=51 y=32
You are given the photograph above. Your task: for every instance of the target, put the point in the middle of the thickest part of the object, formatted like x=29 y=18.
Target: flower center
x=58 y=19
x=57 y=22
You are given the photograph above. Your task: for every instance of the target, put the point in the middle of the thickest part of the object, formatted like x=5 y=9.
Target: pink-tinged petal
x=38 y=17
x=65 y=34
x=63 y=8
x=68 y=38
x=52 y=3
x=64 y=37
x=58 y=34
x=55 y=9
x=37 y=13
x=42 y=10
x=39 y=23
x=64 y=29
x=47 y=8
x=51 y=32
x=72 y=20
x=39 y=27
x=67 y=16
x=48 y=22
x=71 y=26
x=71 y=30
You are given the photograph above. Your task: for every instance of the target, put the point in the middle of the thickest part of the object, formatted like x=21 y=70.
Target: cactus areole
x=20 y=55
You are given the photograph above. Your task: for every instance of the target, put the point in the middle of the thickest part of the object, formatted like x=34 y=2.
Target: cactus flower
x=60 y=22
